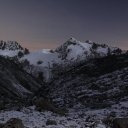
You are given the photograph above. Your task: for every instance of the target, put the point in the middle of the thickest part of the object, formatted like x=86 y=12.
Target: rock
x=120 y=123
x=51 y=122
x=1 y=125
x=13 y=123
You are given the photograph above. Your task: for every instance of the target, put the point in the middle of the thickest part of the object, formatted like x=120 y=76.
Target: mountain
x=12 y=49
x=73 y=50
x=88 y=83
x=70 y=52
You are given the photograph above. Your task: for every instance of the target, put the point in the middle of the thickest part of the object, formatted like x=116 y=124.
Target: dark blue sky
x=40 y=24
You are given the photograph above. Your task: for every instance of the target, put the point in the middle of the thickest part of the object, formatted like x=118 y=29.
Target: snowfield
x=77 y=117
x=35 y=119
x=47 y=58
x=9 y=53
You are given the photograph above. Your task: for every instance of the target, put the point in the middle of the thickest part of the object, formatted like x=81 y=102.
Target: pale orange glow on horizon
x=46 y=24
x=38 y=46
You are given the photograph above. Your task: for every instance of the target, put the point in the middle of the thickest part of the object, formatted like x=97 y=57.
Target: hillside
x=14 y=81
x=90 y=80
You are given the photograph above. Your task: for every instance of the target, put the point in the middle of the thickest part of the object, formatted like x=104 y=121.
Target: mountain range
x=78 y=76
x=71 y=51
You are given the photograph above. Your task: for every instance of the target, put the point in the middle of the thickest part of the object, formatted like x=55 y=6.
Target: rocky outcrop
x=10 y=45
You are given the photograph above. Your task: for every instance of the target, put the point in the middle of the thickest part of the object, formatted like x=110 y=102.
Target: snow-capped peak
x=10 y=45
x=69 y=52
x=73 y=50
x=12 y=49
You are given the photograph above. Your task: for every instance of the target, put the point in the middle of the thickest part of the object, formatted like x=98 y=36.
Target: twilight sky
x=38 y=24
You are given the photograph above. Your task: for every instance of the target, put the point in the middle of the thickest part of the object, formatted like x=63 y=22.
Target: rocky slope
x=14 y=81
x=98 y=83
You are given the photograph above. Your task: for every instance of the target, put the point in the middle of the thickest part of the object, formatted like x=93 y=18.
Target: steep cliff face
x=14 y=81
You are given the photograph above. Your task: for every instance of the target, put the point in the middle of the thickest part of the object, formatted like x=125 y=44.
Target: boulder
x=1 y=125
x=51 y=122
x=120 y=123
x=13 y=123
